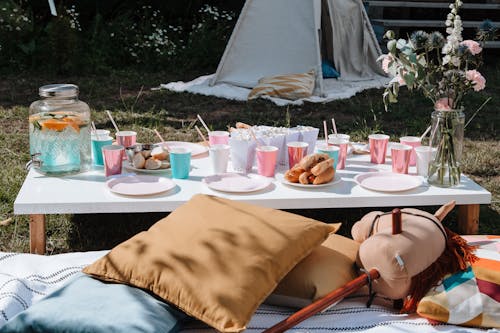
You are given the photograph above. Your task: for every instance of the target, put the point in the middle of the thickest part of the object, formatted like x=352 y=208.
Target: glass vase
x=447 y=136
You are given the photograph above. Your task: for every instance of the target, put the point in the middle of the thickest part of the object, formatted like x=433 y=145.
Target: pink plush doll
x=403 y=254
x=413 y=261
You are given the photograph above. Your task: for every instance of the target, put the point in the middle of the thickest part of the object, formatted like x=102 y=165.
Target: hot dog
x=313 y=169
x=305 y=178
x=322 y=167
x=293 y=174
x=324 y=177
x=311 y=160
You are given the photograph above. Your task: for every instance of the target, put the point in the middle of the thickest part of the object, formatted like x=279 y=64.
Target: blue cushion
x=89 y=305
x=328 y=70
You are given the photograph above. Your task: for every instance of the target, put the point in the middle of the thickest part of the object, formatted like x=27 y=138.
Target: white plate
x=140 y=185
x=335 y=180
x=237 y=182
x=388 y=181
x=128 y=166
x=194 y=148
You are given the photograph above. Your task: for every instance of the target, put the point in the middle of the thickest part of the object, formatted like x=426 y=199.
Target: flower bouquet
x=444 y=69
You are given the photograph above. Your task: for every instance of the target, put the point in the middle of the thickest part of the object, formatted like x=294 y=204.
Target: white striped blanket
x=26 y=278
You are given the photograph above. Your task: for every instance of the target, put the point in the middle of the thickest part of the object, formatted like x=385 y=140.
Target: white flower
x=455 y=61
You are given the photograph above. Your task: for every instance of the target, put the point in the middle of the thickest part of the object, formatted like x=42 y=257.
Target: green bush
x=96 y=37
x=207 y=39
x=16 y=30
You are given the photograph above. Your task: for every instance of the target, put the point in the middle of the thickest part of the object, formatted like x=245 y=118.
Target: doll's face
x=398 y=257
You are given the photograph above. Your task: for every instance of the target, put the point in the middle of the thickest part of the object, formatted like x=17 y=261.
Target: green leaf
x=391 y=46
x=385 y=98
x=413 y=57
x=409 y=79
x=395 y=89
x=392 y=98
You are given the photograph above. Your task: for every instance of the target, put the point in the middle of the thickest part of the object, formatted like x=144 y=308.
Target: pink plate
x=139 y=185
x=237 y=182
x=388 y=181
x=194 y=148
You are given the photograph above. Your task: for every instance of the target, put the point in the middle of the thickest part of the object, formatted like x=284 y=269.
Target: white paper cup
x=338 y=138
x=242 y=154
x=100 y=134
x=219 y=157
x=425 y=155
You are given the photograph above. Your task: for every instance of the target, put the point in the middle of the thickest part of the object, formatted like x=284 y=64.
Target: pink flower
x=478 y=81
x=443 y=104
x=399 y=79
x=385 y=63
x=473 y=46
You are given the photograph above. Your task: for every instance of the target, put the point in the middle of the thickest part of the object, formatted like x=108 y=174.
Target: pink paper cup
x=125 y=139
x=218 y=137
x=400 y=155
x=112 y=157
x=341 y=141
x=296 y=151
x=378 y=147
x=266 y=160
x=413 y=141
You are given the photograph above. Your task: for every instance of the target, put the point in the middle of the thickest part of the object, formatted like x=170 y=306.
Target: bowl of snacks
x=147 y=157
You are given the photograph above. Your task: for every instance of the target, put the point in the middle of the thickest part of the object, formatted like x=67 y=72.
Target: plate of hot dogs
x=312 y=171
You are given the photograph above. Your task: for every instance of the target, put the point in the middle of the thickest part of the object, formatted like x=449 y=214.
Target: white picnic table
x=87 y=193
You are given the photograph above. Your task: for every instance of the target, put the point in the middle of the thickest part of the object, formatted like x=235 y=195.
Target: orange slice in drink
x=59 y=124
x=73 y=122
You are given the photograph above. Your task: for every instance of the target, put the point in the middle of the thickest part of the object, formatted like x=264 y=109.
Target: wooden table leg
x=37 y=233
x=468 y=219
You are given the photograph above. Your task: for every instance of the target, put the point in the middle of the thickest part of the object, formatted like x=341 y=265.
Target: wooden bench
x=379 y=20
x=423 y=23
x=422 y=4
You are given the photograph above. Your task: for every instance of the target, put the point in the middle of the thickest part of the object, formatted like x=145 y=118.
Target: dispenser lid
x=58 y=90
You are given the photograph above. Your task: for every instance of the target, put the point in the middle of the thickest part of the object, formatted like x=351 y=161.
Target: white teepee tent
x=275 y=37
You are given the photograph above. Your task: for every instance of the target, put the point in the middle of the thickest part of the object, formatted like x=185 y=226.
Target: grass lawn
x=135 y=106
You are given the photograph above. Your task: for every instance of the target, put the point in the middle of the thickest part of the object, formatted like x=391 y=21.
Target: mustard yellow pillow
x=290 y=86
x=214 y=258
x=328 y=267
